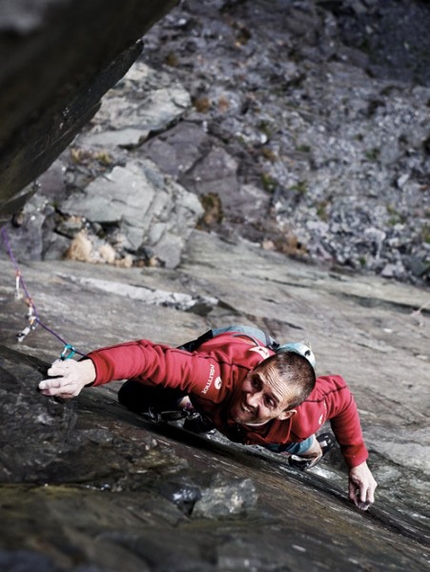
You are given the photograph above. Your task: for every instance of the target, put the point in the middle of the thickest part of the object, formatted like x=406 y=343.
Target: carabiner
x=68 y=352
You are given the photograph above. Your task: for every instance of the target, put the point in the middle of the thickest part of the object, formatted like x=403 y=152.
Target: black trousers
x=139 y=398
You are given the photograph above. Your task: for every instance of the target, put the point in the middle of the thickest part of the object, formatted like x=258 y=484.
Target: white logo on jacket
x=210 y=379
x=264 y=352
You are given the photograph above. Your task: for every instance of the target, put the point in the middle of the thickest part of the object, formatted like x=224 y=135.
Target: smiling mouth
x=247 y=409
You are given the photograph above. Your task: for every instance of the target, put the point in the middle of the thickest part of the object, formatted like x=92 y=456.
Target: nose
x=253 y=399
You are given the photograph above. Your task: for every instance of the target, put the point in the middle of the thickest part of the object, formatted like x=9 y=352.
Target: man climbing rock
x=241 y=382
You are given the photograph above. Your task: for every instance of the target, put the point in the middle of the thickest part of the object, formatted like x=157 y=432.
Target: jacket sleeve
x=331 y=400
x=157 y=364
x=344 y=419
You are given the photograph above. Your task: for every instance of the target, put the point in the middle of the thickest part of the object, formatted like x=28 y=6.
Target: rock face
x=191 y=136
x=88 y=485
x=59 y=57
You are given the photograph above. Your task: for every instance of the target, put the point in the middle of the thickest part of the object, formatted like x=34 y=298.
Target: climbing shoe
x=302 y=463
x=196 y=423
x=151 y=414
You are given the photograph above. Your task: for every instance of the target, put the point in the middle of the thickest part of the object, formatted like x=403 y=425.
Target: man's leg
x=308 y=453
x=305 y=454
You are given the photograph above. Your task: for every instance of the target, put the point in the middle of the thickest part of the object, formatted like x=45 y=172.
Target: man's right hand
x=68 y=379
x=362 y=486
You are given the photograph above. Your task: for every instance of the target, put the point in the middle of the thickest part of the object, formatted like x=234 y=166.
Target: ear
x=286 y=414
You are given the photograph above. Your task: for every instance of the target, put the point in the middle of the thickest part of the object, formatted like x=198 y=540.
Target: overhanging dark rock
x=58 y=58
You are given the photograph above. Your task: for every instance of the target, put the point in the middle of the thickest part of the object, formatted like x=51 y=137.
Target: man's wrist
x=88 y=372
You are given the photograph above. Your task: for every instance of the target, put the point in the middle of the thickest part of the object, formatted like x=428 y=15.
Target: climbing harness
x=302 y=348
x=33 y=319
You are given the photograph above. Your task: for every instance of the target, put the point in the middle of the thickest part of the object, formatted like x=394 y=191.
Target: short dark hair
x=296 y=371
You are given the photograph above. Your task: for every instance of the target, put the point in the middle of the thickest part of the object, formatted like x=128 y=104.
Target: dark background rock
x=313 y=103
x=58 y=58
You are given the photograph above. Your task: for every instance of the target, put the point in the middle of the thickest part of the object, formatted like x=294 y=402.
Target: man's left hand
x=68 y=379
x=362 y=486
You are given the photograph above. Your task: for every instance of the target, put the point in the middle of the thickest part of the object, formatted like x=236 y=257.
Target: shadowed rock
x=59 y=57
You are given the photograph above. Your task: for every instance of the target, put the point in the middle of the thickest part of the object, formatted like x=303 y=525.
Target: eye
x=256 y=383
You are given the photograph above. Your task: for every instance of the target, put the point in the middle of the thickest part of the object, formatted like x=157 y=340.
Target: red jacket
x=212 y=373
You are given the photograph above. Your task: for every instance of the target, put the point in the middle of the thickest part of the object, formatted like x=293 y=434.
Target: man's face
x=261 y=398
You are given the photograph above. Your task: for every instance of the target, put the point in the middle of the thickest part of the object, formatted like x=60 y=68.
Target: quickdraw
x=32 y=324
x=32 y=316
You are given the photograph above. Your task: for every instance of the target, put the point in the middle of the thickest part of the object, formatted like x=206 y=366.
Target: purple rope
x=29 y=298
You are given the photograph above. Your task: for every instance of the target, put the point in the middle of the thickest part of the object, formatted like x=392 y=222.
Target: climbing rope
x=33 y=317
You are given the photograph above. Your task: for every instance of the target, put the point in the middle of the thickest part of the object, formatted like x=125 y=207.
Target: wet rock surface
x=86 y=484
